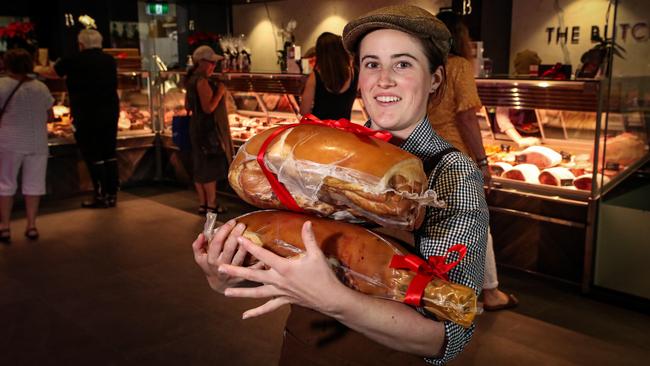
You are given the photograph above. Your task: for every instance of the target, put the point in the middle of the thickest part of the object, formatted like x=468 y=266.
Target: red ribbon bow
x=435 y=267
x=342 y=124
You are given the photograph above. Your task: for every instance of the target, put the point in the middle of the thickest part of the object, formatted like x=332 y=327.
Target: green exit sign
x=157 y=8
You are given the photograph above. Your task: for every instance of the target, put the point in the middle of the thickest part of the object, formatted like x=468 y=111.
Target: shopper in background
x=91 y=80
x=332 y=87
x=209 y=129
x=25 y=105
x=401 y=51
x=454 y=118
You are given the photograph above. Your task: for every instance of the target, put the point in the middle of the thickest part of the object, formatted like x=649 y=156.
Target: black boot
x=97 y=202
x=97 y=173
x=111 y=181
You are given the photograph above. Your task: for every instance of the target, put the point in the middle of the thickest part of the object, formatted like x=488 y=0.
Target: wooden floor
x=120 y=287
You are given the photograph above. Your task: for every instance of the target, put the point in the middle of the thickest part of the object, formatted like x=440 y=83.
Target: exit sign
x=157 y=8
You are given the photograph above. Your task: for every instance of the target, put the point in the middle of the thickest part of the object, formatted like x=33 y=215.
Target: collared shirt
x=464 y=220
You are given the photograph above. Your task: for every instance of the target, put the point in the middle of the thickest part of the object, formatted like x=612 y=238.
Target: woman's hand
x=223 y=249
x=527 y=141
x=305 y=280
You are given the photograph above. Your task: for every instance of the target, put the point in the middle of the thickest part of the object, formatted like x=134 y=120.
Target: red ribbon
x=342 y=124
x=435 y=267
x=346 y=125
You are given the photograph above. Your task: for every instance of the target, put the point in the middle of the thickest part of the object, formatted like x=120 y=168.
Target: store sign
x=640 y=32
x=157 y=8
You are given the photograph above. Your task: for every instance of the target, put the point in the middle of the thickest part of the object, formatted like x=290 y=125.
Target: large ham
x=361 y=258
x=584 y=182
x=528 y=173
x=557 y=176
x=542 y=156
x=498 y=168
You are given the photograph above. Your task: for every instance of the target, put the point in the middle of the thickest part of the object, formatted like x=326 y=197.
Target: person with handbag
x=26 y=105
x=209 y=129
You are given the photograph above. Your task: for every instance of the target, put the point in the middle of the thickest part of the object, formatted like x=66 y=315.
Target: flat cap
x=406 y=18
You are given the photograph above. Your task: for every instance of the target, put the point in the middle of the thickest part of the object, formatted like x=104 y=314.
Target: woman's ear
x=436 y=79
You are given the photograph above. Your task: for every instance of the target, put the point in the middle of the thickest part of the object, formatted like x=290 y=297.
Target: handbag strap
x=4 y=107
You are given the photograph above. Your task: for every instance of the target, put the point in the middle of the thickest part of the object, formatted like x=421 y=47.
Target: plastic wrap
x=361 y=259
x=336 y=173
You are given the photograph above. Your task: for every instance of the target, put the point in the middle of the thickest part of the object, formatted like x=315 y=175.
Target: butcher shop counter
x=255 y=102
x=67 y=174
x=544 y=198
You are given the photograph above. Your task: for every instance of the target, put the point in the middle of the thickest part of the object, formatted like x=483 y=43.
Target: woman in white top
x=23 y=139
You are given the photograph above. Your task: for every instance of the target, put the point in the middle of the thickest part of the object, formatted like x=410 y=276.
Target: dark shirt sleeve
x=464 y=220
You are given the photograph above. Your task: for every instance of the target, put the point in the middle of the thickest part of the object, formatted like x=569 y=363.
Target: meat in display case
x=135 y=108
x=256 y=101
x=135 y=137
x=554 y=148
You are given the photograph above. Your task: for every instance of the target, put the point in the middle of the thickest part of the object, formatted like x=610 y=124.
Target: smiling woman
x=400 y=50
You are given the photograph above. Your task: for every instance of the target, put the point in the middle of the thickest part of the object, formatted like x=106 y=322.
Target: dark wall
x=490 y=21
x=49 y=17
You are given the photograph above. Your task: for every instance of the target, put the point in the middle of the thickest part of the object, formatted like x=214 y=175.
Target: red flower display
x=21 y=30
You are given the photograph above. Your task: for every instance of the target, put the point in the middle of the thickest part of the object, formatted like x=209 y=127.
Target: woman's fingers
x=231 y=244
x=250 y=274
x=239 y=257
x=199 y=250
x=268 y=307
x=308 y=238
x=216 y=245
x=266 y=256
x=253 y=292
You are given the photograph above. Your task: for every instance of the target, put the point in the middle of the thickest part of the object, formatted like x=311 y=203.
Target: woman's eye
x=371 y=65
x=402 y=65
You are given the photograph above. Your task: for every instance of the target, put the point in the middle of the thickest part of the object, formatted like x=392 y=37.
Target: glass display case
x=67 y=174
x=256 y=101
x=544 y=196
x=135 y=120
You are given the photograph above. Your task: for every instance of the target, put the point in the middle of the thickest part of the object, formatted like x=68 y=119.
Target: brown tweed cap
x=406 y=18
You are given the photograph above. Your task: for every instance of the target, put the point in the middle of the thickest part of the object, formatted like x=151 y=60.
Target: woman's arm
x=308 y=281
x=471 y=135
x=209 y=99
x=308 y=94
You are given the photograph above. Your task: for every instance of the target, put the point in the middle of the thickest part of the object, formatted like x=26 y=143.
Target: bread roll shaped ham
x=541 y=156
x=557 y=176
x=335 y=173
x=361 y=259
x=528 y=173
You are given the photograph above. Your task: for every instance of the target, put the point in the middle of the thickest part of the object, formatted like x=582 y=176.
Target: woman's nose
x=386 y=78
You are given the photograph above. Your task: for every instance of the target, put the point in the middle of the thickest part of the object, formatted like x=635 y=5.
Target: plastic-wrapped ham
x=557 y=176
x=528 y=173
x=541 y=156
x=624 y=149
x=584 y=182
x=498 y=168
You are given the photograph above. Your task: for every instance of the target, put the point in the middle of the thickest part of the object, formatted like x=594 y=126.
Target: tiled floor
x=119 y=287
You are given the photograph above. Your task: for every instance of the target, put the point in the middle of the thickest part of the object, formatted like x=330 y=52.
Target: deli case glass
x=554 y=148
x=67 y=175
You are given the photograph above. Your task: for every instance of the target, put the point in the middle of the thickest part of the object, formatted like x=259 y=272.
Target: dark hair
x=19 y=61
x=332 y=61
x=460 y=45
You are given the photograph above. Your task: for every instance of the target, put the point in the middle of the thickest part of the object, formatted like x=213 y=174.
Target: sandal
x=32 y=233
x=5 y=236
x=219 y=209
x=511 y=303
x=203 y=209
